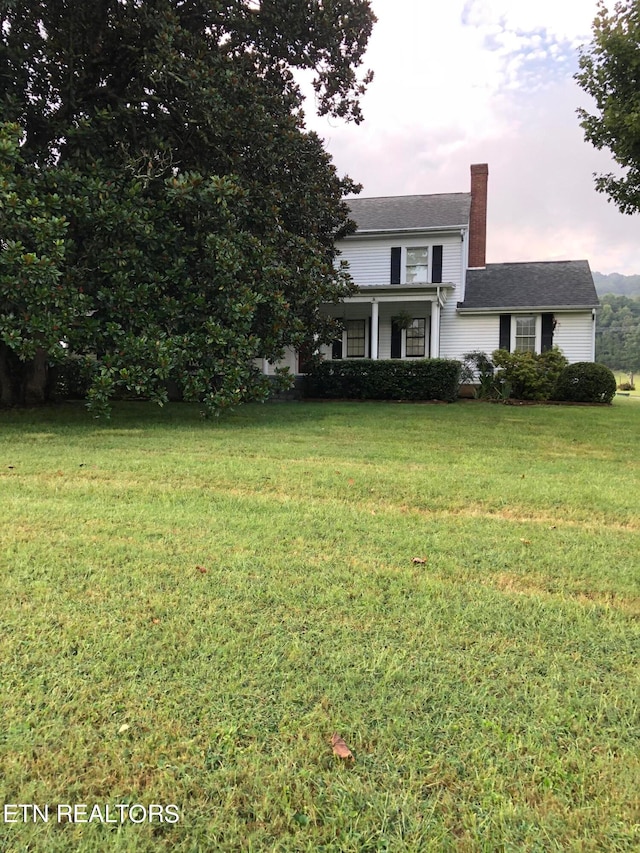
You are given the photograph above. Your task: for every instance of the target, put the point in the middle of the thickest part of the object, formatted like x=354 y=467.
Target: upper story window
x=525 y=334
x=417 y=265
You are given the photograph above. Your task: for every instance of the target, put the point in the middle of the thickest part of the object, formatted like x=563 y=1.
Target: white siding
x=290 y=360
x=451 y=341
x=369 y=259
x=460 y=334
x=369 y=263
x=574 y=336
x=452 y=265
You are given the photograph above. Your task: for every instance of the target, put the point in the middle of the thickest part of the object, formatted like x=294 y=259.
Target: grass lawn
x=189 y=611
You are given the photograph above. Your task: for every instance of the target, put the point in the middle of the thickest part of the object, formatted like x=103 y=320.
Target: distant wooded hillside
x=618 y=333
x=615 y=282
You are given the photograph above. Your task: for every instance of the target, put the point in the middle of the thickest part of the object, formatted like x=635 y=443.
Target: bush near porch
x=385 y=379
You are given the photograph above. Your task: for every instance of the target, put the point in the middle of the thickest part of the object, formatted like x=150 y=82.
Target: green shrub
x=420 y=379
x=586 y=382
x=480 y=371
x=528 y=375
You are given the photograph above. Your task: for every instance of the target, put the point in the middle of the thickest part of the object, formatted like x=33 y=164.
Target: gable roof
x=544 y=284
x=410 y=212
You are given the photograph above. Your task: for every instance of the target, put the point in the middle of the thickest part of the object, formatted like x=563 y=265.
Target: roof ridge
x=522 y=263
x=403 y=197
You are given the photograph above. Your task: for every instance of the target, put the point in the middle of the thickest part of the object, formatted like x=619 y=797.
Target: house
x=426 y=291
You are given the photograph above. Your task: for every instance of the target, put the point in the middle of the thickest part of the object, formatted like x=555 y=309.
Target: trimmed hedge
x=586 y=382
x=392 y=379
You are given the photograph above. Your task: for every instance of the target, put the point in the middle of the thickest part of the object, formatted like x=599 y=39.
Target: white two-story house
x=426 y=291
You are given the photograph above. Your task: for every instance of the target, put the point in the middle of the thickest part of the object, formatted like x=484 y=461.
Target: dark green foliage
x=609 y=72
x=527 y=375
x=160 y=196
x=586 y=382
x=618 y=333
x=392 y=379
x=72 y=378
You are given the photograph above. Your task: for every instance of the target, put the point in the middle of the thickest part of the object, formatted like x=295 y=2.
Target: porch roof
x=402 y=293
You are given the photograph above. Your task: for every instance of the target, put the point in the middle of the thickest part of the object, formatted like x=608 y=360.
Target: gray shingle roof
x=545 y=284
x=408 y=212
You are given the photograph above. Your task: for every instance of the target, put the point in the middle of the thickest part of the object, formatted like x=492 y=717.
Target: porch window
x=355 y=330
x=417 y=265
x=525 y=334
x=415 y=338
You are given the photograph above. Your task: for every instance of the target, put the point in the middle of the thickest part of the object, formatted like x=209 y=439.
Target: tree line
x=618 y=333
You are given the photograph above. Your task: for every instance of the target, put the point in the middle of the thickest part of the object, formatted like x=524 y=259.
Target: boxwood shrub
x=586 y=382
x=385 y=379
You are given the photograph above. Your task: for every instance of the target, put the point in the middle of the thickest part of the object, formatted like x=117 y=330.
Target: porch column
x=374 y=330
x=434 y=343
x=265 y=367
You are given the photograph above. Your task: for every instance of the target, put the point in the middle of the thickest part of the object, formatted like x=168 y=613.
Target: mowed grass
x=190 y=610
x=621 y=378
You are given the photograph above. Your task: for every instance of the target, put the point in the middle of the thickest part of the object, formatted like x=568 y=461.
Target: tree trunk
x=35 y=380
x=23 y=383
x=6 y=385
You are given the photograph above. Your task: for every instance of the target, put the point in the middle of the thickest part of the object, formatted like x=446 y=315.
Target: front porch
x=389 y=322
x=380 y=322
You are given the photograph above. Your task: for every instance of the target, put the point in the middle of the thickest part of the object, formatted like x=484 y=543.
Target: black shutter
x=436 y=266
x=336 y=349
x=505 y=332
x=365 y=350
x=548 y=323
x=396 y=340
x=396 y=255
x=305 y=354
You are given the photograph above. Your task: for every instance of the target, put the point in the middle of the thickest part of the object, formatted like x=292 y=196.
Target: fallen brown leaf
x=419 y=561
x=526 y=541
x=340 y=748
x=201 y=569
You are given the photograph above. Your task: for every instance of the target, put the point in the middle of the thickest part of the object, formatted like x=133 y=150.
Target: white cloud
x=565 y=18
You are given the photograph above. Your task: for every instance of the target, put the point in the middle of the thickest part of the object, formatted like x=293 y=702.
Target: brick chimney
x=478 y=215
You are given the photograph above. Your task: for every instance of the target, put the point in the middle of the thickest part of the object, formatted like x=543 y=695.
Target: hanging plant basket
x=402 y=320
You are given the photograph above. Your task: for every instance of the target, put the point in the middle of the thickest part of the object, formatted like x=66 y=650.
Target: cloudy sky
x=475 y=81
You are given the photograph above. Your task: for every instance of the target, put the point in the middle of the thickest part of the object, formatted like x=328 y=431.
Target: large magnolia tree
x=163 y=211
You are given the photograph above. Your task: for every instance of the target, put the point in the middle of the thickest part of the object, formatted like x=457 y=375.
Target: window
x=525 y=334
x=416 y=336
x=408 y=337
x=355 y=338
x=417 y=265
